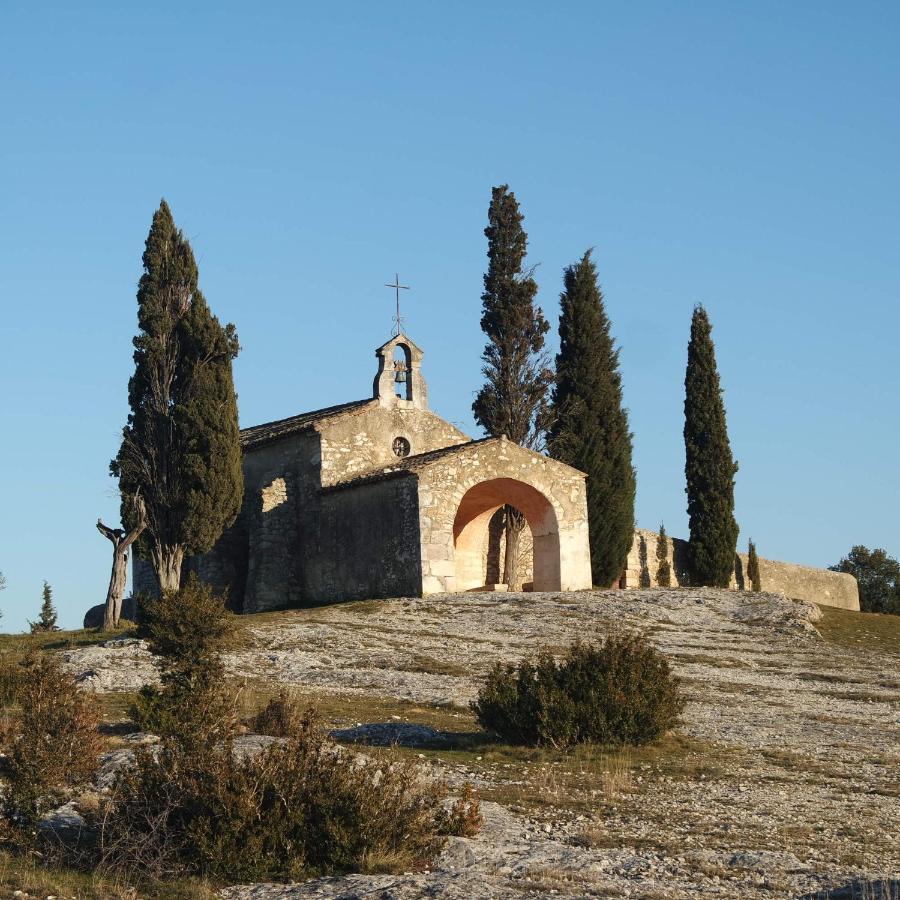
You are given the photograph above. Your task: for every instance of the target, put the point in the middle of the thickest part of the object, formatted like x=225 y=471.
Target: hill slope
x=782 y=779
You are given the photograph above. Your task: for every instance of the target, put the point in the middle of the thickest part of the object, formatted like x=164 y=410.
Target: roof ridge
x=256 y=434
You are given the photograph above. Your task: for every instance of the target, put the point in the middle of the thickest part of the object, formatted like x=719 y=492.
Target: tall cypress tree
x=709 y=466
x=513 y=398
x=181 y=447
x=589 y=424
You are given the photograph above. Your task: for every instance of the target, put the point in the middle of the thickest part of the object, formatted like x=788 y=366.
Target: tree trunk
x=121 y=543
x=514 y=526
x=167 y=560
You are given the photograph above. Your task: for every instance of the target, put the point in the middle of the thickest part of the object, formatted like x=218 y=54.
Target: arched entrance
x=470 y=531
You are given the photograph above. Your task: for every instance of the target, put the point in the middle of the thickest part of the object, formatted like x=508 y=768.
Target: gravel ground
x=789 y=785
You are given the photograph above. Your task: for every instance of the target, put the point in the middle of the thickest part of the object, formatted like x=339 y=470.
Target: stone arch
x=476 y=507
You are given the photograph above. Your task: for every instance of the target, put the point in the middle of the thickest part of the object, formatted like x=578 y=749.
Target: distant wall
x=797 y=582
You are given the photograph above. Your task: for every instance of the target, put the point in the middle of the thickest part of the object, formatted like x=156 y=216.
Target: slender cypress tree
x=589 y=427
x=181 y=448
x=663 y=569
x=709 y=466
x=513 y=398
x=753 y=568
x=47 y=619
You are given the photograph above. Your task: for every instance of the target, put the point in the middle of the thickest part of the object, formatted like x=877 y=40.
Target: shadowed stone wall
x=368 y=543
x=794 y=581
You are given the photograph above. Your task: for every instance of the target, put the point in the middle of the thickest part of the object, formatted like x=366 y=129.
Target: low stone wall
x=820 y=586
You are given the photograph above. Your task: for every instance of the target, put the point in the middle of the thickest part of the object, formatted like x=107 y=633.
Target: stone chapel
x=383 y=498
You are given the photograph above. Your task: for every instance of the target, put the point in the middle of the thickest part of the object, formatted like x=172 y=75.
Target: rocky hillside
x=782 y=780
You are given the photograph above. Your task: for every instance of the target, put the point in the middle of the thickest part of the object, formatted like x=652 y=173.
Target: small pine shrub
x=663 y=569
x=300 y=808
x=187 y=630
x=50 y=740
x=47 y=619
x=621 y=691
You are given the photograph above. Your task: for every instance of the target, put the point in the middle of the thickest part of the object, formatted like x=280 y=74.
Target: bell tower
x=399 y=382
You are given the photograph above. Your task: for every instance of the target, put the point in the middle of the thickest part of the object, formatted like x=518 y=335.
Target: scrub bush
x=301 y=807
x=620 y=691
x=49 y=738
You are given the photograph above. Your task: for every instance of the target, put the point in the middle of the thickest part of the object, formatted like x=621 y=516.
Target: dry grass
x=36 y=878
x=343 y=710
x=858 y=631
x=61 y=640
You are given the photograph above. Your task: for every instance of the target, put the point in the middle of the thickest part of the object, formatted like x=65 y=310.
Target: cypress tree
x=47 y=619
x=512 y=400
x=709 y=466
x=589 y=424
x=643 y=561
x=181 y=447
x=663 y=569
x=753 y=568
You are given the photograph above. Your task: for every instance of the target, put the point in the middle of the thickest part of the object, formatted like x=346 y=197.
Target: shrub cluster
x=49 y=739
x=620 y=691
x=187 y=630
x=301 y=806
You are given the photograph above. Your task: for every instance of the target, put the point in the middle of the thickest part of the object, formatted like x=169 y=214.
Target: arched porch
x=470 y=530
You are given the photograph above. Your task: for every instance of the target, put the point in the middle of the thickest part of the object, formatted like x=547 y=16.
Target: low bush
x=49 y=738
x=187 y=630
x=621 y=691
x=301 y=807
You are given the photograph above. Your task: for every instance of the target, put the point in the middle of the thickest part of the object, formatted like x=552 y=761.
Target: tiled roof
x=269 y=431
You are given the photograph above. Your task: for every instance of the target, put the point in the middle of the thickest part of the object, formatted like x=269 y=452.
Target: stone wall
x=368 y=544
x=460 y=491
x=797 y=582
x=362 y=441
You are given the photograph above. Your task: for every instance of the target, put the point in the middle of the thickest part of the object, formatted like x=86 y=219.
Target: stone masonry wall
x=280 y=484
x=361 y=441
x=797 y=582
x=369 y=543
x=445 y=482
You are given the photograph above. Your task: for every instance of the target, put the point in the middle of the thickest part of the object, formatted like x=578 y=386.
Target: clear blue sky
x=742 y=155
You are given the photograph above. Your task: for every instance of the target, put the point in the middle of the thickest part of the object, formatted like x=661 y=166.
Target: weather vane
x=398 y=321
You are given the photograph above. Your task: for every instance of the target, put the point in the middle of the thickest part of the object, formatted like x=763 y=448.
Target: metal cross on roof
x=398 y=321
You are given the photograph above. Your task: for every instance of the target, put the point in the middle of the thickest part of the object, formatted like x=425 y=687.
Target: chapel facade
x=381 y=497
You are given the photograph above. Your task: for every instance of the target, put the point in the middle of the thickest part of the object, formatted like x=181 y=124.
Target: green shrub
x=50 y=739
x=301 y=807
x=621 y=691
x=187 y=630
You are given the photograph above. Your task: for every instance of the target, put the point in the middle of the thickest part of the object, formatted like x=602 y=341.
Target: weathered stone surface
x=790 y=787
x=795 y=581
x=386 y=734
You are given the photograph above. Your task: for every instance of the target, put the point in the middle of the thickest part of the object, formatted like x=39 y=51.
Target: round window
x=400 y=447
